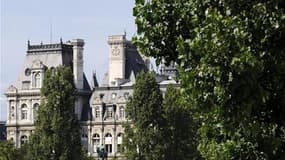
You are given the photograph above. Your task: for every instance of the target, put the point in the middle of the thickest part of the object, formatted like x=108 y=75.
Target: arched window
x=108 y=143
x=24 y=112
x=24 y=139
x=97 y=112
x=96 y=142
x=35 y=111
x=119 y=142
x=122 y=112
x=37 y=80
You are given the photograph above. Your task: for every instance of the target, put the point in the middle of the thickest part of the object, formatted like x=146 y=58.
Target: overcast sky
x=37 y=20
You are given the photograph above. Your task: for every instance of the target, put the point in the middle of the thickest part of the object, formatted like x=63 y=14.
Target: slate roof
x=134 y=62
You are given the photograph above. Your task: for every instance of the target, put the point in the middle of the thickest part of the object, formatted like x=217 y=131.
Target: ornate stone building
x=24 y=96
x=101 y=109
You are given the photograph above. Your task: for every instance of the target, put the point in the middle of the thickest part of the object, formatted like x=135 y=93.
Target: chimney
x=78 y=62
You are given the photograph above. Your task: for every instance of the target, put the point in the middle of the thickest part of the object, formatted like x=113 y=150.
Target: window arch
x=119 y=142
x=37 y=80
x=24 y=112
x=108 y=143
x=96 y=142
x=122 y=112
x=35 y=110
x=24 y=139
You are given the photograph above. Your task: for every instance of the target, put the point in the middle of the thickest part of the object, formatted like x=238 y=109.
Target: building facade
x=100 y=109
x=24 y=96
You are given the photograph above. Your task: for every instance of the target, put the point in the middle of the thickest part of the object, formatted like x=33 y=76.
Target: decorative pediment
x=11 y=89
x=121 y=99
x=96 y=100
x=37 y=64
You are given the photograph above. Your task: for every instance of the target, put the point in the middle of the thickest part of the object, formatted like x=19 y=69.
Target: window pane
x=24 y=111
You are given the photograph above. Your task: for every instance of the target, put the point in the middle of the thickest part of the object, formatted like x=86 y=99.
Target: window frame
x=24 y=112
x=95 y=142
x=108 y=147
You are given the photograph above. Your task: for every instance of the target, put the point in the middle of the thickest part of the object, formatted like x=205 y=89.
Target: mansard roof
x=45 y=56
x=134 y=63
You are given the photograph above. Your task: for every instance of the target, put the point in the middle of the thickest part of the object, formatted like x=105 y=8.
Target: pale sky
x=35 y=20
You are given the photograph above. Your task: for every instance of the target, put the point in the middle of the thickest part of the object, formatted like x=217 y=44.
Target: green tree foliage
x=142 y=138
x=179 y=131
x=9 y=152
x=57 y=135
x=158 y=129
x=231 y=56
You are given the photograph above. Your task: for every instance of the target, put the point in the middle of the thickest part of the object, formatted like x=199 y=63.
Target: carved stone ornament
x=115 y=51
x=37 y=64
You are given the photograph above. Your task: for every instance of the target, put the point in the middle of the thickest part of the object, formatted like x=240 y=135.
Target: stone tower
x=116 y=59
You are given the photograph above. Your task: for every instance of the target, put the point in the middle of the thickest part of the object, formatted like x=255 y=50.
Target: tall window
x=119 y=142
x=97 y=112
x=122 y=112
x=35 y=111
x=24 y=112
x=24 y=139
x=109 y=112
x=96 y=142
x=37 y=80
x=108 y=142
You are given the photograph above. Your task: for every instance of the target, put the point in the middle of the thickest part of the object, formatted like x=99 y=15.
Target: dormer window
x=97 y=112
x=24 y=112
x=122 y=112
x=109 y=112
x=37 y=80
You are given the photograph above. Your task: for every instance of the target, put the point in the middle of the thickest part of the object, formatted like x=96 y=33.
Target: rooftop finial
x=125 y=32
x=28 y=42
x=60 y=40
x=95 y=82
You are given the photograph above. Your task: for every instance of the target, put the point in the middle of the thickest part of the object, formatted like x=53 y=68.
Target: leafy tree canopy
x=142 y=137
x=8 y=151
x=57 y=135
x=179 y=128
x=232 y=68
